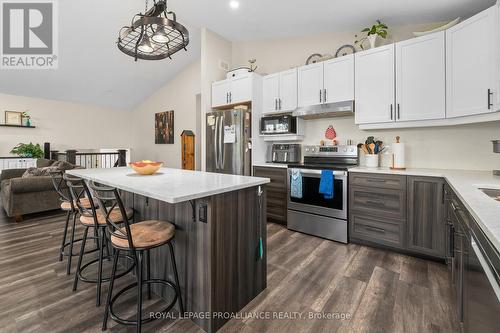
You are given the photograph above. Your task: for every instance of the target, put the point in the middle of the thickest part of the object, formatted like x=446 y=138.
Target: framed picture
x=164 y=127
x=13 y=118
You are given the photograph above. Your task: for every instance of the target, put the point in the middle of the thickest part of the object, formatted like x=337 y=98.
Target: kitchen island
x=220 y=240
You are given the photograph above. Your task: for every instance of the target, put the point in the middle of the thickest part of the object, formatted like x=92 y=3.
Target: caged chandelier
x=153 y=35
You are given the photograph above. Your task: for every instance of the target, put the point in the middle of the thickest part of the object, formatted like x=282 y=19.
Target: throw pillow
x=38 y=172
x=63 y=165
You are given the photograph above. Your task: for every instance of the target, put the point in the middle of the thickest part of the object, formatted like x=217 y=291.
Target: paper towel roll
x=398 y=155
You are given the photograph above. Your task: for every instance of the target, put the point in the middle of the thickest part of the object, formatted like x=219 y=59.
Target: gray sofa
x=22 y=196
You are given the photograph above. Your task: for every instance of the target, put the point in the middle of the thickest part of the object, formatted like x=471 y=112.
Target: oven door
x=314 y=202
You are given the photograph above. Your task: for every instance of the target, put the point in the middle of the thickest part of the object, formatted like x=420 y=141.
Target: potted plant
x=28 y=150
x=376 y=30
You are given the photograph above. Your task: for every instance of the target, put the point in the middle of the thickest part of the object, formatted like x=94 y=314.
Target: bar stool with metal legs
x=138 y=238
x=68 y=205
x=91 y=218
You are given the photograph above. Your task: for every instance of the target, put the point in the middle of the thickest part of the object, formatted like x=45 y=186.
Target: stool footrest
x=133 y=285
x=104 y=279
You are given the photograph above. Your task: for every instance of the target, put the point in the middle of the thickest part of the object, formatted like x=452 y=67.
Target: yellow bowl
x=146 y=167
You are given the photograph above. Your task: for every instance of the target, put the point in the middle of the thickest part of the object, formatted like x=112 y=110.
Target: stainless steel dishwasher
x=482 y=284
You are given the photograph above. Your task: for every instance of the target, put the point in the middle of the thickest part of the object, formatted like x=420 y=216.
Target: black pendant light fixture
x=153 y=35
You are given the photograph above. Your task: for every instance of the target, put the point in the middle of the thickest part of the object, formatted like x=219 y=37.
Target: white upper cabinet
x=220 y=93
x=232 y=91
x=497 y=56
x=310 y=85
x=280 y=92
x=471 y=65
x=241 y=89
x=374 y=85
x=420 y=78
x=288 y=90
x=339 y=79
x=271 y=92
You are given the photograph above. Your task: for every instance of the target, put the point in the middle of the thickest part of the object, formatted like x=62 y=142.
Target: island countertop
x=170 y=185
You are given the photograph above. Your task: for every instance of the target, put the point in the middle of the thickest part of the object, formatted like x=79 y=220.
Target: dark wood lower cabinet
x=277 y=197
x=425 y=218
x=405 y=213
x=220 y=251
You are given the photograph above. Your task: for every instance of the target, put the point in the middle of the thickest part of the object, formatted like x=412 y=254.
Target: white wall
x=453 y=147
x=65 y=125
x=179 y=94
x=214 y=49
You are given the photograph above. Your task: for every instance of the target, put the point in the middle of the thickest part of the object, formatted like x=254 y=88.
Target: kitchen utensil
x=372 y=148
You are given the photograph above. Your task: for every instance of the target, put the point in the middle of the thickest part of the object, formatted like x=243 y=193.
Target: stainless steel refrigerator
x=229 y=142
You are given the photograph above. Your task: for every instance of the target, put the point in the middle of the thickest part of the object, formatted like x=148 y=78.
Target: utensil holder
x=371 y=160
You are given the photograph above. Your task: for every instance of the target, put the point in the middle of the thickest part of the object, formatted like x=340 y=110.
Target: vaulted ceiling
x=93 y=71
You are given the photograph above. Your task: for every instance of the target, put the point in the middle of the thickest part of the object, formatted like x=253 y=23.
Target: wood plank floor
x=362 y=289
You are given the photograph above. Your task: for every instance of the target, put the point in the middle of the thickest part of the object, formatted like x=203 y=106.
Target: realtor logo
x=29 y=34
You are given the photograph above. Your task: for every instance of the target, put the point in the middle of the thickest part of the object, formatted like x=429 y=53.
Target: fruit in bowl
x=146 y=167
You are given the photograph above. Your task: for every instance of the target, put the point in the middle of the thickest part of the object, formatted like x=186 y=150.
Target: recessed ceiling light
x=234 y=4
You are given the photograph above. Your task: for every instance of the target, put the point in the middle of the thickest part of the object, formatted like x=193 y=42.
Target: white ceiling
x=93 y=71
x=91 y=68
x=255 y=19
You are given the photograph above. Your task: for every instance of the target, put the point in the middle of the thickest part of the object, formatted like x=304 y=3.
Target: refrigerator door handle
x=215 y=143
x=221 y=143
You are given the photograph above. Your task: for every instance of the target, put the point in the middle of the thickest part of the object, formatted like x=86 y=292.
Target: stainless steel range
x=311 y=212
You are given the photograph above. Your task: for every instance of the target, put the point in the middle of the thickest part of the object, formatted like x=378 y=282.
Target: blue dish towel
x=296 y=184
x=326 y=183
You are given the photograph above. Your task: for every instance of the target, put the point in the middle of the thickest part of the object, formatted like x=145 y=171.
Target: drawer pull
x=377 y=180
x=374 y=229
x=375 y=203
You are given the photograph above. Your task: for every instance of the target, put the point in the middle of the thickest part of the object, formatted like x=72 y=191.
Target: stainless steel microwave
x=278 y=124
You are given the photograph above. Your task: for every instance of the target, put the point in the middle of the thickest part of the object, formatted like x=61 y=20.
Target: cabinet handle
x=379 y=230
x=279 y=103
x=320 y=96
x=489 y=99
x=376 y=180
x=399 y=116
x=230 y=97
x=324 y=95
x=375 y=203
x=391 y=111
x=275 y=104
x=227 y=97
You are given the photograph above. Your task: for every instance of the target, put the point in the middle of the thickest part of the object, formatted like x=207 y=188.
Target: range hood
x=338 y=109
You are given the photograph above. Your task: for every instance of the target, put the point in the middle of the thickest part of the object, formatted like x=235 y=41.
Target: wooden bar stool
x=91 y=218
x=68 y=205
x=138 y=238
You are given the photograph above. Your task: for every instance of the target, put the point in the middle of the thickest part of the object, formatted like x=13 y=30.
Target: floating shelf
x=5 y=125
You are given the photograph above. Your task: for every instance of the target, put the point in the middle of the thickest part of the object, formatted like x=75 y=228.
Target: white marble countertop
x=466 y=184
x=170 y=185
x=271 y=165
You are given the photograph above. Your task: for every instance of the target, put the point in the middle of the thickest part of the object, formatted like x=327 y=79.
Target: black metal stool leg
x=148 y=272
x=176 y=276
x=110 y=290
x=64 y=236
x=70 y=254
x=80 y=257
x=139 y=290
x=100 y=244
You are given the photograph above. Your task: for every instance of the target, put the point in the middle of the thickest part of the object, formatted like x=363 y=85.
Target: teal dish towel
x=296 y=184
x=326 y=184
